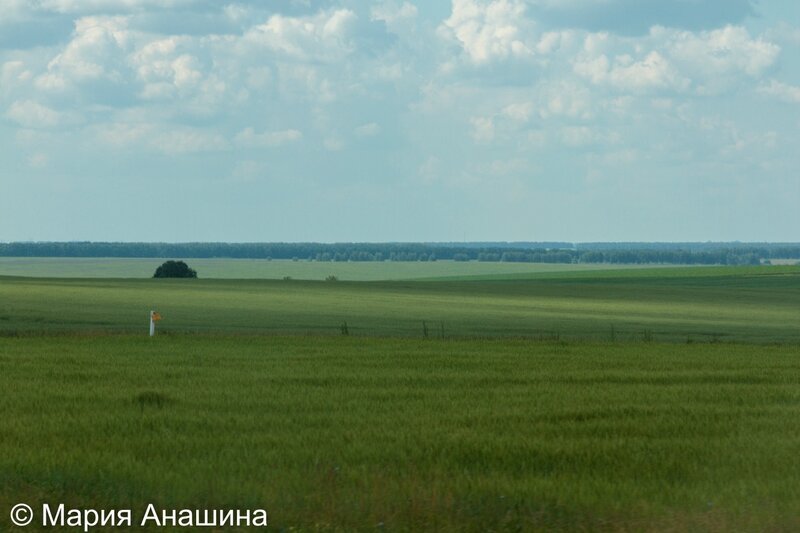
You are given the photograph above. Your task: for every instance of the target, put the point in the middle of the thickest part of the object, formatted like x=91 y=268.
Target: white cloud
x=14 y=10
x=653 y=72
x=323 y=36
x=249 y=138
x=552 y=41
x=169 y=139
x=306 y=81
x=367 y=130
x=397 y=17
x=565 y=99
x=247 y=171
x=38 y=160
x=165 y=70
x=97 y=50
x=781 y=91
x=185 y=140
x=258 y=77
x=13 y=76
x=520 y=112
x=489 y=30
x=584 y=136
x=784 y=33
x=389 y=72
x=729 y=50
x=30 y=114
x=537 y=139
x=705 y=62
x=12 y=70
x=430 y=171
x=482 y=128
x=333 y=144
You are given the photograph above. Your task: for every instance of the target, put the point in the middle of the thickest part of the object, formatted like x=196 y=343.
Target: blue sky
x=398 y=120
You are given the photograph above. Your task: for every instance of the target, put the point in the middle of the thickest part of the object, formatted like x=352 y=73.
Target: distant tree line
x=619 y=253
x=678 y=257
x=762 y=248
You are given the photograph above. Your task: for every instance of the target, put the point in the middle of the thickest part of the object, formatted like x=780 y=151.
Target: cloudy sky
x=400 y=120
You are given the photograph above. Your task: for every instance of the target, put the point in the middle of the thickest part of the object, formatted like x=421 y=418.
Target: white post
x=152 y=324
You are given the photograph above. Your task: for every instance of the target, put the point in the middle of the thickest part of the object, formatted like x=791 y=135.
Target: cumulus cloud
x=327 y=35
x=97 y=50
x=519 y=112
x=165 y=138
x=653 y=72
x=396 y=16
x=781 y=91
x=13 y=74
x=165 y=70
x=30 y=114
x=564 y=99
x=183 y=140
x=489 y=30
x=724 y=51
x=98 y=42
x=675 y=60
x=250 y=139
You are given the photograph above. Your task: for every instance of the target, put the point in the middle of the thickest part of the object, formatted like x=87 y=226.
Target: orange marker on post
x=154 y=317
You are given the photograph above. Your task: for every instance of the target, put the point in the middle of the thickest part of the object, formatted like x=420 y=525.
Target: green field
x=661 y=399
x=350 y=433
x=752 y=304
x=69 y=267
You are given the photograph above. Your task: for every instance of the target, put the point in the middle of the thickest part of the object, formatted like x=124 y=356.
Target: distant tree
x=175 y=269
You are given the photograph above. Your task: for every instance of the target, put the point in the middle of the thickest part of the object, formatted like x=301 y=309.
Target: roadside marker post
x=154 y=317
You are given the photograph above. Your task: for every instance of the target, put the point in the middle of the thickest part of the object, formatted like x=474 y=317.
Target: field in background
x=71 y=267
x=347 y=434
x=750 y=304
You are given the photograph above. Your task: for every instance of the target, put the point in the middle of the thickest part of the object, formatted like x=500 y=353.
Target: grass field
x=67 y=267
x=753 y=304
x=346 y=433
x=626 y=400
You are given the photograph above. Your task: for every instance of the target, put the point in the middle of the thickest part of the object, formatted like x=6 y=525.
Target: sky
x=400 y=120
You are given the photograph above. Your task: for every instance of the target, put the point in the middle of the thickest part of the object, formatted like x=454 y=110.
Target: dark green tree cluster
x=175 y=269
